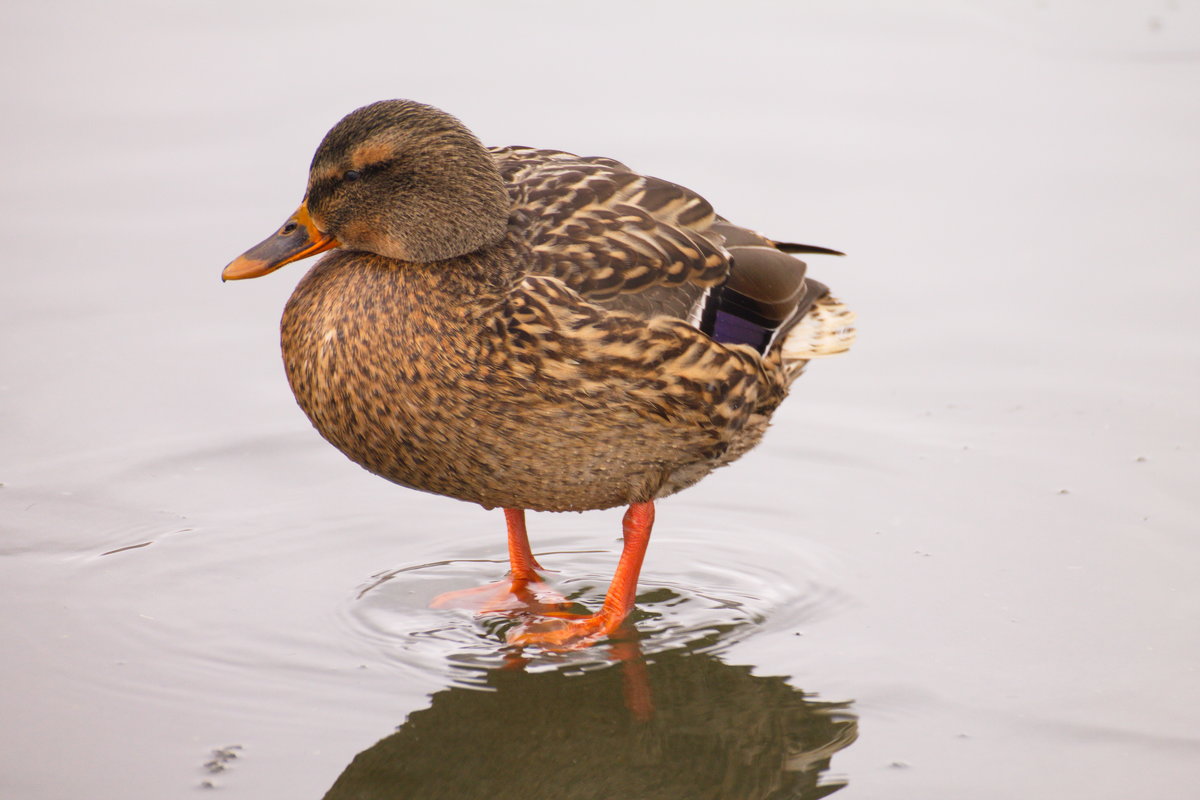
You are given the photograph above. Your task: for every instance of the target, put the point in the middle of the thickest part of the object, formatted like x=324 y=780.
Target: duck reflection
x=680 y=725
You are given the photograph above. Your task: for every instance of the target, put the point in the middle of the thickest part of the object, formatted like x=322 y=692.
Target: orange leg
x=639 y=519
x=524 y=591
x=520 y=558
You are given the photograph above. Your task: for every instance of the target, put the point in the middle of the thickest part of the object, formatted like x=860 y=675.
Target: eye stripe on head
x=371 y=152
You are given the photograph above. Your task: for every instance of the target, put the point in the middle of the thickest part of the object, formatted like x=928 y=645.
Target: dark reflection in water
x=683 y=725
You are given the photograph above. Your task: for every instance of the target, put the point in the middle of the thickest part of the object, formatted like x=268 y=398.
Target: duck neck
x=477 y=281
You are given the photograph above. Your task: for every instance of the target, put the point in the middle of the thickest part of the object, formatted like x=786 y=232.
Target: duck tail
x=795 y=247
x=826 y=329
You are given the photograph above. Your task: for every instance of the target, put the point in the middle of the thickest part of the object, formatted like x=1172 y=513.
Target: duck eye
x=352 y=175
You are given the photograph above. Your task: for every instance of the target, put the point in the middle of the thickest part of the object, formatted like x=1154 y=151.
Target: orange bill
x=298 y=238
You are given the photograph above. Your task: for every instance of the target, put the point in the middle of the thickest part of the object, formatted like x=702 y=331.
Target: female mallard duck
x=529 y=329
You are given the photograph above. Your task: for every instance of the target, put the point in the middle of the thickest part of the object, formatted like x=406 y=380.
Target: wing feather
x=649 y=247
x=612 y=235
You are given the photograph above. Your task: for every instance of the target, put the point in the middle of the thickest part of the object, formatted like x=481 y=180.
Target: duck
x=532 y=330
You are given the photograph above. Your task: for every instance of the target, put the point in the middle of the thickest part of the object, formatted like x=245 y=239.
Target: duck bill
x=296 y=239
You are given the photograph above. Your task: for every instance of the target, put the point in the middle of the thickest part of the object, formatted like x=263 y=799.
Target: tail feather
x=826 y=330
x=796 y=247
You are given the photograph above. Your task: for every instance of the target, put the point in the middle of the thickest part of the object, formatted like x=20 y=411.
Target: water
x=963 y=564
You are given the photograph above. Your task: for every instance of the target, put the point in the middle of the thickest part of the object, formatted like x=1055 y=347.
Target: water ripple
x=701 y=592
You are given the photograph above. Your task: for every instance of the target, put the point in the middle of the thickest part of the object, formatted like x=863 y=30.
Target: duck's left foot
x=523 y=591
x=505 y=597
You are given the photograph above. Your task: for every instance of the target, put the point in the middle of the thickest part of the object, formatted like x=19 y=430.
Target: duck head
x=397 y=178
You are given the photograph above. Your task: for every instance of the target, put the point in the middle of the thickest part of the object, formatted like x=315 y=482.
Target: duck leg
x=523 y=591
x=522 y=564
x=560 y=632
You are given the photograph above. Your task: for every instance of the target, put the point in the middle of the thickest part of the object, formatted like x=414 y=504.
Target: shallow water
x=963 y=564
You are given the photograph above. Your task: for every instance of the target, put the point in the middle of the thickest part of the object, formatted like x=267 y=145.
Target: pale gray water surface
x=964 y=564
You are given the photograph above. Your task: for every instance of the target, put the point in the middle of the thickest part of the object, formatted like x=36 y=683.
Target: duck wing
x=649 y=247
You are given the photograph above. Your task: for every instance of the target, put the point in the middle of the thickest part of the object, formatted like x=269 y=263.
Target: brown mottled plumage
x=528 y=328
